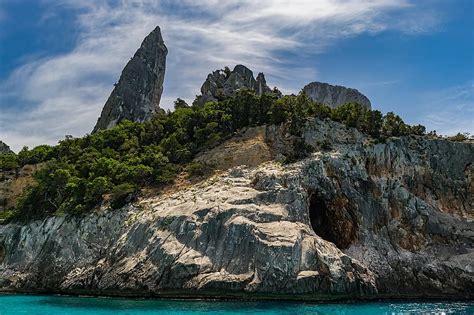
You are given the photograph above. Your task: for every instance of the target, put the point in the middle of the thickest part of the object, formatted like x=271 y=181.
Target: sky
x=59 y=59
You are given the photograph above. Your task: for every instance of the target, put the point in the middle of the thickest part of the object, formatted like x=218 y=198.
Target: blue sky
x=60 y=59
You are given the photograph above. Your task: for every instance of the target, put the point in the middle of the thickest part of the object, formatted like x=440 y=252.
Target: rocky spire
x=221 y=84
x=261 y=86
x=334 y=95
x=137 y=94
x=4 y=148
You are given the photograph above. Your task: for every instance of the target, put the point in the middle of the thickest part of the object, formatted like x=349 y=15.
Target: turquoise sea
x=55 y=305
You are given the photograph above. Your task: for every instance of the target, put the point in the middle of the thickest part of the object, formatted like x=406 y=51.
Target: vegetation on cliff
x=79 y=172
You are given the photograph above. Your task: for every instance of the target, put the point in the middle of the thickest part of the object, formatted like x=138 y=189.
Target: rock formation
x=221 y=84
x=137 y=94
x=4 y=148
x=334 y=95
x=355 y=219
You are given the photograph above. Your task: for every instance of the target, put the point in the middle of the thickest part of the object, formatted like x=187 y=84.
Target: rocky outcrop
x=354 y=219
x=334 y=95
x=137 y=94
x=4 y=148
x=222 y=84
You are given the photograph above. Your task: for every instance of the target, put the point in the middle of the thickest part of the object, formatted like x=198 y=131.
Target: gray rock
x=222 y=84
x=137 y=94
x=261 y=86
x=334 y=95
x=4 y=148
x=360 y=220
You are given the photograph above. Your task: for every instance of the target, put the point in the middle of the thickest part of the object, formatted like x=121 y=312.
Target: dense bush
x=122 y=194
x=78 y=172
x=460 y=137
x=8 y=161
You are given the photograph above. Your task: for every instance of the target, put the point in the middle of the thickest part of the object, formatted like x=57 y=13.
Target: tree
x=393 y=126
x=418 y=130
x=372 y=122
x=460 y=137
x=8 y=161
x=78 y=172
x=180 y=103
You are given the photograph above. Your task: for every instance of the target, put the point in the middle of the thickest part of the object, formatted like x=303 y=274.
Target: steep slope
x=357 y=220
x=137 y=94
x=334 y=95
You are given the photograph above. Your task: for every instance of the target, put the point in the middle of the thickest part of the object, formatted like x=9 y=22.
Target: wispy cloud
x=65 y=93
x=451 y=110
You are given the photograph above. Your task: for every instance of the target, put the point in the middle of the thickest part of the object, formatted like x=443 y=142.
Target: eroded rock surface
x=334 y=95
x=222 y=84
x=137 y=94
x=356 y=220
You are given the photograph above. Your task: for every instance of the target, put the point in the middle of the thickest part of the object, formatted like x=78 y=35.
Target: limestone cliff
x=137 y=94
x=221 y=84
x=334 y=95
x=354 y=219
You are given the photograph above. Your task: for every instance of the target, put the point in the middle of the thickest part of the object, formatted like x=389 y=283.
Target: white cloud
x=451 y=110
x=65 y=93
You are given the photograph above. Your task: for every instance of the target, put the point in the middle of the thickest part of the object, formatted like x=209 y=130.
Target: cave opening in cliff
x=332 y=220
x=318 y=216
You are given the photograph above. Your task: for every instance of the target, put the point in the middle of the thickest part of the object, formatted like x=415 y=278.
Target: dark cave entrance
x=333 y=220
x=318 y=216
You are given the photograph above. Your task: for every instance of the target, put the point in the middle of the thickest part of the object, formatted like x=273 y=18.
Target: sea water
x=64 y=305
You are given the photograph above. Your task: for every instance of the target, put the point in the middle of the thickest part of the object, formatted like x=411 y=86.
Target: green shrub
x=7 y=215
x=459 y=137
x=123 y=194
x=120 y=160
x=8 y=161
x=196 y=169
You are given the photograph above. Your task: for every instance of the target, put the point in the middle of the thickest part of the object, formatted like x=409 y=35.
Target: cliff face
x=137 y=94
x=334 y=95
x=354 y=220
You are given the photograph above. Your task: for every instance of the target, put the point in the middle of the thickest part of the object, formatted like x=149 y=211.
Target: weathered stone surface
x=358 y=220
x=137 y=94
x=221 y=84
x=4 y=148
x=334 y=95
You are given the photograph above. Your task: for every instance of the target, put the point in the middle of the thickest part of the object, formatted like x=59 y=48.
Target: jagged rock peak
x=261 y=86
x=334 y=95
x=4 y=148
x=221 y=84
x=137 y=94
